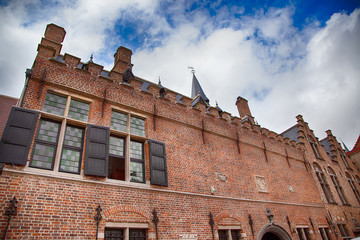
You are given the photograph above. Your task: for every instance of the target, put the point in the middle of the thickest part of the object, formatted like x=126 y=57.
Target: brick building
x=6 y=103
x=158 y=164
x=354 y=154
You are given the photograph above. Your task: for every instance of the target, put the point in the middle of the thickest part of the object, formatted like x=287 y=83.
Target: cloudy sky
x=287 y=57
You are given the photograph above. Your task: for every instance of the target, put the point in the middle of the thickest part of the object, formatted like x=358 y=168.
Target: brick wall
x=6 y=103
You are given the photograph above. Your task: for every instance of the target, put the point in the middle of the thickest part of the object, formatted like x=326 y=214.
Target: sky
x=286 y=57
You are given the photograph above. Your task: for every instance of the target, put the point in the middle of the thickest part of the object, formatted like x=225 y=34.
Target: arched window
x=337 y=185
x=357 y=179
x=343 y=157
x=314 y=147
x=324 y=185
x=352 y=185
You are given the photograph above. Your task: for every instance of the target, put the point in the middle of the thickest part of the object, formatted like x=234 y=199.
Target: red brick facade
x=354 y=154
x=216 y=164
x=6 y=103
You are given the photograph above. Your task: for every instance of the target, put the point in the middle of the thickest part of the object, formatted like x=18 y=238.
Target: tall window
x=352 y=185
x=45 y=145
x=303 y=233
x=324 y=185
x=127 y=147
x=344 y=232
x=72 y=150
x=314 y=147
x=65 y=135
x=125 y=233
x=338 y=187
x=116 y=158
x=325 y=233
x=343 y=158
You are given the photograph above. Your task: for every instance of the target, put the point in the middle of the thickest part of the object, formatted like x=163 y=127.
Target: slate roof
x=356 y=147
x=196 y=89
x=326 y=144
x=291 y=133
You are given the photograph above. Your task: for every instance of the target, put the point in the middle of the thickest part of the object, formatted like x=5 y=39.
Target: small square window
x=78 y=110
x=54 y=104
x=137 y=126
x=119 y=121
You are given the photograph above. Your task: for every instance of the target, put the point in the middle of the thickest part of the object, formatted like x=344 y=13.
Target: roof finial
x=91 y=57
x=192 y=70
x=159 y=81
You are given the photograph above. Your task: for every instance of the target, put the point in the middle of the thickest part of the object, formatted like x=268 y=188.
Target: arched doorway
x=270 y=236
x=273 y=232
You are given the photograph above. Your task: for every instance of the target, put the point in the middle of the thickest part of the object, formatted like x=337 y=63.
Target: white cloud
x=281 y=71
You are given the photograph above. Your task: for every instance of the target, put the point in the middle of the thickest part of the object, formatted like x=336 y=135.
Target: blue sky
x=285 y=57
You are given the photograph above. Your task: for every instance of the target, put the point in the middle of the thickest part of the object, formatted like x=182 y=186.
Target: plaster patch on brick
x=261 y=184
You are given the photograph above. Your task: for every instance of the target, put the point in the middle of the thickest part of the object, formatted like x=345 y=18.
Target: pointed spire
x=345 y=147
x=196 y=89
x=91 y=57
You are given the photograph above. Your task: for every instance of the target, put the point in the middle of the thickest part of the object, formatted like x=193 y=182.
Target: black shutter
x=17 y=136
x=158 y=170
x=97 y=151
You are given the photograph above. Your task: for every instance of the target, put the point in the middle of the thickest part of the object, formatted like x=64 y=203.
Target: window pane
x=116 y=146
x=114 y=234
x=223 y=235
x=235 y=234
x=48 y=131
x=73 y=137
x=70 y=160
x=137 y=234
x=43 y=156
x=119 y=121
x=137 y=126
x=307 y=234
x=45 y=145
x=54 y=104
x=116 y=168
x=136 y=150
x=136 y=172
x=300 y=233
x=78 y=110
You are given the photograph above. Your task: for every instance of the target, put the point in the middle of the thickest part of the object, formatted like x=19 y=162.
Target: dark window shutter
x=17 y=136
x=158 y=169
x=97 y=151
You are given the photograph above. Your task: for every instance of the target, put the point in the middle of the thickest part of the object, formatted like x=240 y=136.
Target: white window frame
x=302 y=231
x=63 y=121
x=228 y=229
x=126 y=227
x=128 y=137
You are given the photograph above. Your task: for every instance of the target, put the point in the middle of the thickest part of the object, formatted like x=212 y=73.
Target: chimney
x=243 y=108
x=50 y=45
x=122 y=58
x=55 y=33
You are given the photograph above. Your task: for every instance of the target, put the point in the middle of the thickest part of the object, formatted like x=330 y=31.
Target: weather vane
x=192 y=70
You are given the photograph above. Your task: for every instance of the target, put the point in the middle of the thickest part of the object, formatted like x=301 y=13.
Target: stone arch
x=132 y=209
x=225 y=216
x=273 y=231
x=321 y=221
x=299 y=221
